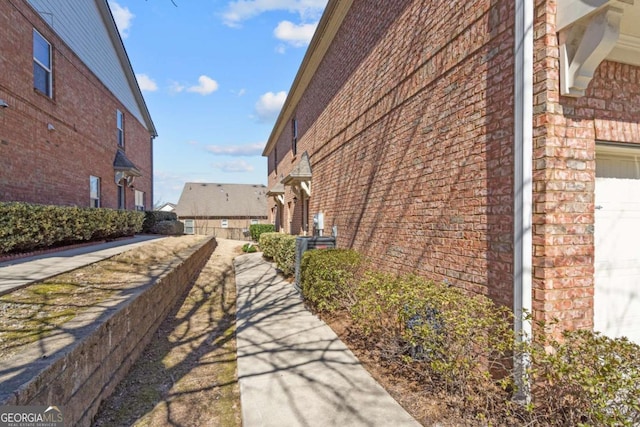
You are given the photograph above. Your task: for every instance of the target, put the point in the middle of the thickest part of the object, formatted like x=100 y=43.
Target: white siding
x=80 y=25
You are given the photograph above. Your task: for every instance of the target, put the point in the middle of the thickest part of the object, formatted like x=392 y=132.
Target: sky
x=214 y=75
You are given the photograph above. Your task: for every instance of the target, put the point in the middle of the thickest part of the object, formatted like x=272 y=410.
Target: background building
x=74 y=127
x=222 y=210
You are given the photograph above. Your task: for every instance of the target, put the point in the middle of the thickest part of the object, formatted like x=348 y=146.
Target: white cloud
x=123 y=18
x=269 y=105
x=237 y=150
x=206 y=85
x=295 y=35
x=146 y=83
x=241 y=10
x=234 y=166
x=176 y=87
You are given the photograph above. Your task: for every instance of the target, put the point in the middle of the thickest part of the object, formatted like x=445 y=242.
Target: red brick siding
x=565 y=131
x=53 y=167
x=408 y=123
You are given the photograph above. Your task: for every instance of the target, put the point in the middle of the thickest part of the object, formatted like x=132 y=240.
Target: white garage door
x=617 y=242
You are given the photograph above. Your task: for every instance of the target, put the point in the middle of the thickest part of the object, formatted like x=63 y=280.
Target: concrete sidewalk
x=292 y=368
x=21 y=272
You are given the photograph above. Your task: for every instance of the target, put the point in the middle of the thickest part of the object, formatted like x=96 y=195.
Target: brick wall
x=79 y=375
x=565 y=133
x=408 y=123
x=53 y=167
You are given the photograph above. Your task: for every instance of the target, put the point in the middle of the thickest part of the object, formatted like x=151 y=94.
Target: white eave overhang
x=591 y=31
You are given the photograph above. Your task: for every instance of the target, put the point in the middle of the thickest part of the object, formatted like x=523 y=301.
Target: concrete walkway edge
x=293 y=370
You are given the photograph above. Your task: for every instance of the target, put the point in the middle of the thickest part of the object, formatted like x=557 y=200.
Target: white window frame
x=189 y=226
x=254 y=221
x=224 y=223
x=120 y=128
x=48 y=69
x=94 y=193
x=139 y=197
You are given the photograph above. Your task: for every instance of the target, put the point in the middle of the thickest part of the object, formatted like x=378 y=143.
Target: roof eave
x=328 y=26
x=112 y=29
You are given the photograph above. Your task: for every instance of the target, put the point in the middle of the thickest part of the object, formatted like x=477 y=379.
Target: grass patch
x=31 y=313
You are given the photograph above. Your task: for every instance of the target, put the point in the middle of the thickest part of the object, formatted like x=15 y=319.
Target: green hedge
x=256 y=230
x=268 y=244
x=153 y=217
x=456 y=340
x=327 y=277
x=25 y=227
x=585 y=378
x=462 y=347
x=281 y=248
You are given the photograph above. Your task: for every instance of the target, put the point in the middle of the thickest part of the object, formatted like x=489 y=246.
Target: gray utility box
x=304 y=243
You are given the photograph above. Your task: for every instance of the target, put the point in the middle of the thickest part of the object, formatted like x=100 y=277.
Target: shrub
x=152 y=217
x=256 y=230
x=327 y=277
x=268 y=244
x=586 y=378
x=249 y=248
x=285 y=256
x=456 y=342
x=281 y=248
x=25 y=227
x=462 y=346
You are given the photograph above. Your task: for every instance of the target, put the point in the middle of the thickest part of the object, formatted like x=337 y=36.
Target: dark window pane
x=41 y=79
x=41 y=50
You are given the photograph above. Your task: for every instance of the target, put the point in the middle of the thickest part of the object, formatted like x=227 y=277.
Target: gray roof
x=222 y=200
x=122 y=163
x=301 y=172
x=276 y=189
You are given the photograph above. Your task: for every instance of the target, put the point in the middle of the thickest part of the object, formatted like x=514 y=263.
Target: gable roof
x=332 y=17
x=89 y=29
x=222 y=200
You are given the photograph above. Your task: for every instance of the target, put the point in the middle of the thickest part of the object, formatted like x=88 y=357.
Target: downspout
x=152 y=207
x=523 y=185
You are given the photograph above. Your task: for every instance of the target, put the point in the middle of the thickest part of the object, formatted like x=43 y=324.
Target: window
x=254 y=221
x=94 y=191
x=121 y=199
x=139 y=200
x=224 y=223
x=275 y=160
x=120 y=126
x=42 y=66
x=188 y=226
x=294 y=137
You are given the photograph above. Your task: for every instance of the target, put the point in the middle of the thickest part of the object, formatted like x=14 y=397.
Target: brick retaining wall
x=86 y=366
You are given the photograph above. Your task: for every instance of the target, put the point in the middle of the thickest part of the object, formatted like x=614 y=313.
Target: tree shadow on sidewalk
x=187 y=375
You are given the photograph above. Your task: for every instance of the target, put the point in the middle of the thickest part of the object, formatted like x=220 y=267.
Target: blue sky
x=214 y=74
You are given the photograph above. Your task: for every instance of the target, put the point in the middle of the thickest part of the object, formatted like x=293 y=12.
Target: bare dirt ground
x=187 y=376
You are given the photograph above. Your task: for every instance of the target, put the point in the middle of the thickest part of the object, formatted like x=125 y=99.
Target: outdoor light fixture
x=295 y=200
x=3 y=103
